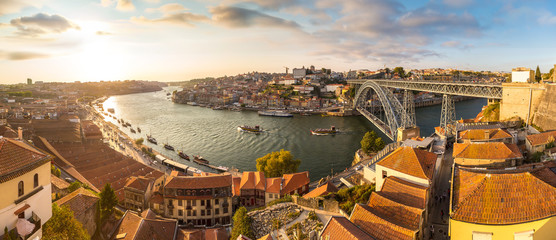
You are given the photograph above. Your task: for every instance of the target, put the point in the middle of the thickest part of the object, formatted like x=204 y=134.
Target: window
x=36 y=180
x=216 y=211
x=208 y=212
x=202 y=202
x=180 y=212
x=384 y=174
x=194 y=202
x=525 y=235
x=482 y=235
x=202 y=212
x=20 y=189
x=225 y=210
x=180 y=203
x=194 y=213
x=215 y=201
x=188 y=203
x=188 y=213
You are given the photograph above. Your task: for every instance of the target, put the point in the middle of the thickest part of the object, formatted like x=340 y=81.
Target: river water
x=213 y=134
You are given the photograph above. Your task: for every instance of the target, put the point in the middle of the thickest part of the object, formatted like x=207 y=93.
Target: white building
x=332 y=87
x=299 y=73
x=522 y=74
x=26 y=202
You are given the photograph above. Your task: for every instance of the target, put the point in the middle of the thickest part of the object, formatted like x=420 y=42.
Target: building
x=537 y=142
x=522 y=74
x=199 y=200
x=83 y=204
x=503 y=204
x=323 y=190
x=299 y=73
x=295 y=183
x=410 y=164
x=252 y=189
x=485 y=135
x=29 y=81
x=273 y=187
x=340 y=228
x=59 y=187
x=137 y=191
x=490 y=154
x=25 y=185
x=145 y=226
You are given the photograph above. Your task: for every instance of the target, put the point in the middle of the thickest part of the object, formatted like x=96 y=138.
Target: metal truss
x=409 y=106
x=470 y=89
x=448 y=114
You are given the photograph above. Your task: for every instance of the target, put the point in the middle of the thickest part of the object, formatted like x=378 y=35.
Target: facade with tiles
x=199 y=200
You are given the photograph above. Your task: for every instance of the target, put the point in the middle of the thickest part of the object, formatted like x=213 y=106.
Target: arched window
x=36 y=180
x=20 y=189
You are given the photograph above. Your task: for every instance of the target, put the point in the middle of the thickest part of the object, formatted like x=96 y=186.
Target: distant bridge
x=398 y=114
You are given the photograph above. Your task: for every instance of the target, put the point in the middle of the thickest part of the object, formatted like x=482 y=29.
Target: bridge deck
x=377 y=122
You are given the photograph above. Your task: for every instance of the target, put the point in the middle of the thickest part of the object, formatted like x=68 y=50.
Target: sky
x=170 y=40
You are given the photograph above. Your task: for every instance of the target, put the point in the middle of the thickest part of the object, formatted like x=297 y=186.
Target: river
x=213 y=134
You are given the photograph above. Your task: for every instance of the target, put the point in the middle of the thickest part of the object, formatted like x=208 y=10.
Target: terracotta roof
x=139 y=183
x=129 y=226
x=541 y=138
x=411 y=161
x=157 y=198
x=503 y=196
x=18 y=157
x=8 y=132
x=236 y=181
x=490 y=150
x=79 y=201
x=325 y=189
x=213 y=181
x=294 y=181
x=134 y=226
x=190 y=234
x=273 y=185
x=484 y=134
x=266 y=237
x=58 y=182
x=340 y=228
x=148 y=214
x=253 y=180
x=216 y=234
x=396 y=213
x=378 y=227
x=404 y=192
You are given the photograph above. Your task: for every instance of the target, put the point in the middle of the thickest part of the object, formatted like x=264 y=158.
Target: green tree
x=379 y=144
x=54 y=170
x=242 y=224
x=139 y=141
x=63 y=225
x=538 y=77
x=107 y=201
x=276 y=164
x=6 y=234
x=399 y=71
x=368 y=142
x=74 y=186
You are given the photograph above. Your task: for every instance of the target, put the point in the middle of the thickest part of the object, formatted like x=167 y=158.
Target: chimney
x=487 y=134
x=20 y=133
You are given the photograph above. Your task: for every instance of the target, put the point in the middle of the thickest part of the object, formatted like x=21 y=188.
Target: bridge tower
x=448 y=114
x=409 y=106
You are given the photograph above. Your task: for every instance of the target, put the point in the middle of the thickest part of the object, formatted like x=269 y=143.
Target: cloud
x=458 y=3
x=16 y=56
x=42 y=23
x=103 y=33
x=106 y=3
x=456 y=44
x=236 y=17
x=125 y=5
x=267 y=4
x=184 y=18
x=168 y=8
x=13 y=6
x=547 y=18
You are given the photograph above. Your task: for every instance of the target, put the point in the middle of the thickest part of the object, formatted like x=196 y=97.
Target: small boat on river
x=183 y=155
x=151 y=139
x=200 y=160
x=324 y=131
x=245 y=128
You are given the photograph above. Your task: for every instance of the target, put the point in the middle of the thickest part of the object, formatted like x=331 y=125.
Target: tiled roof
x=378 y=227
x=273 y=185
x=253 y=180
x=326 y=188
x=397 y=213
x=294 y=181
x=148 y=214
x=266 y=237
x=236 y=181
x=484 y=134
x=541 y=138
x=18 y=157
x=411 y=161
x=503 y=197
x=490 y=150
x=157 y=198
x=79 y=201
x=212 y=181
x=136 y=227
x=129 y=226
x=8 y=132
x=216 y=234
x=139 y=183
x=404 y=192
x=340 y=228
x=58 y=182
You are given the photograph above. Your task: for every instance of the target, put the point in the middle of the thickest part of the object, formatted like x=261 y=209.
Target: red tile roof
x=134 y=226
x=541 y=138
x=490 y=150
x=253 y=180
x=273 y=185
x=325 y=189
x=138 y=183
x=404 y=192
x=236 y=181
x=396 y=213
x=411 y=161
x=378 y=227
x=212 y=181
x=503 y=196
x=294 y=181
x=340 y=228
x=8 y=132
x=18 y=157
x=484 y=134
x=58 y=182
x=79 y=201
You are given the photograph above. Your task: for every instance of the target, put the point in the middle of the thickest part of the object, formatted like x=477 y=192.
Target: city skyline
x=179 y=40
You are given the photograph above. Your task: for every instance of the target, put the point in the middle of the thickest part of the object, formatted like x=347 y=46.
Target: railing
x=385 y=151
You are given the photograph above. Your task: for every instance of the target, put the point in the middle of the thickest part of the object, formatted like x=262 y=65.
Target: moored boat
x=167 y=146
x=151 y=139
x=138 y=129
x=200 y=160
x=132 y=130
x=324 y=131
x=245 y=128
x=275 y=113
x=183 y=155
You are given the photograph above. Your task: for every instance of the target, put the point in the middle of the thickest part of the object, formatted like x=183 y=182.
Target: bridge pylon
x=409 y=106
x=448 y=114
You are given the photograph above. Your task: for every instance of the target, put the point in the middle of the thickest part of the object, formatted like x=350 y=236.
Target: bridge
x=374 y=100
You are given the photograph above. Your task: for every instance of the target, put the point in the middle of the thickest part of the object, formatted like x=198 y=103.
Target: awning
x=24 y=227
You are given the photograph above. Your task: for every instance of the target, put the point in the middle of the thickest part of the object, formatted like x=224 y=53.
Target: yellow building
x=488 y=154
x=504 y=204
x=25 y=203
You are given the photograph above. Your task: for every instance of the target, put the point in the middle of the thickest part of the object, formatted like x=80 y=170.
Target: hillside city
x=69 y=172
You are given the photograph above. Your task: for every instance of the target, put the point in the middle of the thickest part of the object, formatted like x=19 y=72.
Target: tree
x=6 y=234
x=242 y=224
x=63 y=225
x=74 y=186
x=139 y=141
x=276 y=164
x=399 y=71
x=379 y=144
x=538 y=77
x=107 y=201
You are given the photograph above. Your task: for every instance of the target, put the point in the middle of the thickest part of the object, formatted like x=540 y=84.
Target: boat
x=324 y=131
x=275 y=113
x=138 y=129
x=200 y=160
x=167 y=146
x=132 y=130
x=192 y=103
x=305 y=114
x=110 y=110
x=151 y=139
x=217 y=108
x=183 y=155
x=222 y=168
x=245 y=128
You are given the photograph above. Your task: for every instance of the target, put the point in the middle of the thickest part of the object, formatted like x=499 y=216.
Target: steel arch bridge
x=397 y=115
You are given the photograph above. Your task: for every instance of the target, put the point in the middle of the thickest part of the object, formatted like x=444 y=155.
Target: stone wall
x=545 y=117
x=329 y=205
x=516 y=98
